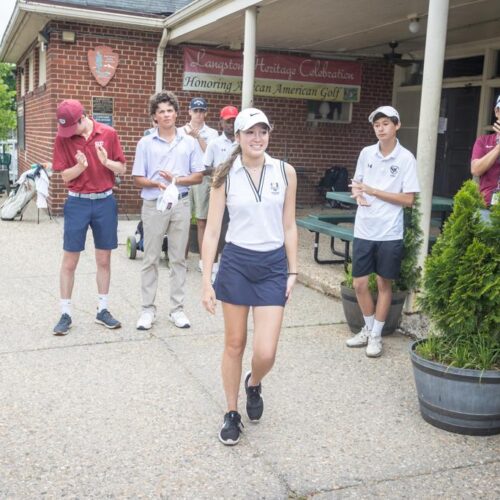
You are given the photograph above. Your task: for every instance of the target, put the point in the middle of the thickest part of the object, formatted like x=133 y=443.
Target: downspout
x=160 y=53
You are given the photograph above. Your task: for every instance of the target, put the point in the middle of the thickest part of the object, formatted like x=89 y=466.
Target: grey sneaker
x=255 y=401
x=63 y=326
x=104 y=318
x=360 y=339
x=374 y=348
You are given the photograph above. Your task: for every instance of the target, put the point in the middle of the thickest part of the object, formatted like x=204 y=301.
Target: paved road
x=129 y=414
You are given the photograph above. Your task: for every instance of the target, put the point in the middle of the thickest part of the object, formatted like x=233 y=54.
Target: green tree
x=7 y=100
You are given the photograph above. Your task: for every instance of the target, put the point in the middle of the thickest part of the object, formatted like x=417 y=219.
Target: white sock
x=377 y=328
x=66 y=306
x=200 y=265
x=102 y=302
x=215 y=267
x=369 y=321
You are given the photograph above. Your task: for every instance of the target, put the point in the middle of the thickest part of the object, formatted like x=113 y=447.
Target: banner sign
x=276 y=75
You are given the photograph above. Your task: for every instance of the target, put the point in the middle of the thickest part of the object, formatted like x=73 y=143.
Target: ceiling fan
x=396 y=58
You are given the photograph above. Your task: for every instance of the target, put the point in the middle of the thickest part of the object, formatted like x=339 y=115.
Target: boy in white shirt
x=385 y=181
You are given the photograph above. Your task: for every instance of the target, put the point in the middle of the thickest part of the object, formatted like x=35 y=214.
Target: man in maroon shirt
x=88 y=155
x=485 y=162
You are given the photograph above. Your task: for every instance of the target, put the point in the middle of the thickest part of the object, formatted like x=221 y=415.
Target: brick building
x=50 y=40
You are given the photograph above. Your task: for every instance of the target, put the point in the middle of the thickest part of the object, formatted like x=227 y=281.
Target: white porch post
x=249 y=57
x=435 y=43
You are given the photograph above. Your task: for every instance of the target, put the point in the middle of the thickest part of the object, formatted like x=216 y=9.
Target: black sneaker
x=63 y=326
x=230 y=431
x=255 y=401
x=104 y=318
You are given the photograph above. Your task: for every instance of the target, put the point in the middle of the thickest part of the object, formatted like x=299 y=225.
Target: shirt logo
x=370 y=165
x=99 y=144
x=394 y=169
x=274 y=187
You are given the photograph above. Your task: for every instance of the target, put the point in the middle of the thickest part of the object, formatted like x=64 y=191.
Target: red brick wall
x=68 y=76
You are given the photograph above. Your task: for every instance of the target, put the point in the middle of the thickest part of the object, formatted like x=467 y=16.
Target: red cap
x=68 y=113
x=228 y=112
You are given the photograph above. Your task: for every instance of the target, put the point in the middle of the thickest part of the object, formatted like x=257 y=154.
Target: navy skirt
x=250 y=278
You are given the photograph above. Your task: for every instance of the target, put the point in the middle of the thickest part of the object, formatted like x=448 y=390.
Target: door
x=457 y=133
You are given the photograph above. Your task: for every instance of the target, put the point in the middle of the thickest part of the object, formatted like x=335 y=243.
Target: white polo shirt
x=207 y=133
x=256 y=212
x=218 y=151
x=153 y=154
x=395 y=173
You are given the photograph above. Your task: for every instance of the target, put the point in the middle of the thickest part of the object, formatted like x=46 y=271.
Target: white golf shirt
x=395 y=173
x=256 y=212
x=218 y=151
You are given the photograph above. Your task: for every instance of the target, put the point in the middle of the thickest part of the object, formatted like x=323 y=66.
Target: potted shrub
x=457 y=367
x=408 y=281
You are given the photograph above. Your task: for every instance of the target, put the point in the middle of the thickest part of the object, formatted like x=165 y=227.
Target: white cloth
x=218 y=151
x=42 y=188
x=168 y=199
x=256 y=212
x=395 y=173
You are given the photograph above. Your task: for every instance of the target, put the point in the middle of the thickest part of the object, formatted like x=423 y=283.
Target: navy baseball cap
x=198 y=103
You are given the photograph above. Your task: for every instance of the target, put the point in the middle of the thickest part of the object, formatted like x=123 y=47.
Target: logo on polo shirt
x=99 y=144
x=274 y=187
x=370 y=165
x=394 y=169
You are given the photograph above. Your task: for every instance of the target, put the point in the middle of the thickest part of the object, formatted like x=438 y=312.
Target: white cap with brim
x=388 y=111
x=497 y=105
x=248 y=118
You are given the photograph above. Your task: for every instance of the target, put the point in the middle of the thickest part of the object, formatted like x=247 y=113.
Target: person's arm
x=184 y=180
x=216 y=207
x=480 y=166
x=290 y=228
x=117 y=167
x=143 y=182
x=404 y=199
x=75 y=171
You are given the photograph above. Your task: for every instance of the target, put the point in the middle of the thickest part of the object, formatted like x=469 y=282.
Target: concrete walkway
x=130 y=414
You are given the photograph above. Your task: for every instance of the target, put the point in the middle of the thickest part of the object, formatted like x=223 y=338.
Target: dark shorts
x=251 y=278
x=380 y=257
x=101 y=215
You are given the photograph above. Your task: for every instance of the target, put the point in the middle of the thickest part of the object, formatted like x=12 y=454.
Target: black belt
x=183 y=195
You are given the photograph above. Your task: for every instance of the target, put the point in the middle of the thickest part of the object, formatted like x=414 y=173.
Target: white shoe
x=360 y=339
x=179 y=319
x=145 y=322
x=374 y=347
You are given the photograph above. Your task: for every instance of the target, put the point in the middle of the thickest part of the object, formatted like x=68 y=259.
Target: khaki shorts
x=200 y=196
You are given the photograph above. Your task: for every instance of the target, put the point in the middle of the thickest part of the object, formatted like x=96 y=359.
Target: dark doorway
x=458 y=126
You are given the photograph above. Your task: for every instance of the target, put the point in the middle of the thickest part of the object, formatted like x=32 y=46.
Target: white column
x=249 y=57
x=435 y=43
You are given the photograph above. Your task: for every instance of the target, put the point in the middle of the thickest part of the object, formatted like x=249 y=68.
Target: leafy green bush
x=461 y=286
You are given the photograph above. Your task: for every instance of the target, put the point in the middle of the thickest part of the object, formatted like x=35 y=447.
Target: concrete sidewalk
x=130 y=414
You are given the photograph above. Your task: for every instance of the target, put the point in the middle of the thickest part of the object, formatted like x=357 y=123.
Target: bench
x=328 y=225
x=319 y=226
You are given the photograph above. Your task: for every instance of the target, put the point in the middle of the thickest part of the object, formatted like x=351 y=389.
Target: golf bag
x=18 y=199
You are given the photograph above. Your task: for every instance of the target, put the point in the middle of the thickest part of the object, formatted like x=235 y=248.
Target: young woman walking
x=258 y=267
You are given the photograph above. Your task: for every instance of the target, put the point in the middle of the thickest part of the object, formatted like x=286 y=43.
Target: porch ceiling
x=348 y=26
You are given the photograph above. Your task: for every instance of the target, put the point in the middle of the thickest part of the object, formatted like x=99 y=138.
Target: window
x=329 y=112
x=31 y=72
x=42 y=64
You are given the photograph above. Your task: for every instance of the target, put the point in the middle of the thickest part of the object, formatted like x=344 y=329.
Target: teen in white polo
x=385 y=181
x=203 y=135
x=164 y=157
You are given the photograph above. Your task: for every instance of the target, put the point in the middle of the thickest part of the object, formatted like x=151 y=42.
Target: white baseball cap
x=248 y=118
x=497 y=105
x=168 y=199
x=388 y=111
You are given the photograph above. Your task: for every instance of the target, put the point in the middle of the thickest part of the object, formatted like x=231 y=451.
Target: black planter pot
x=457 y=399
x=354 y=317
